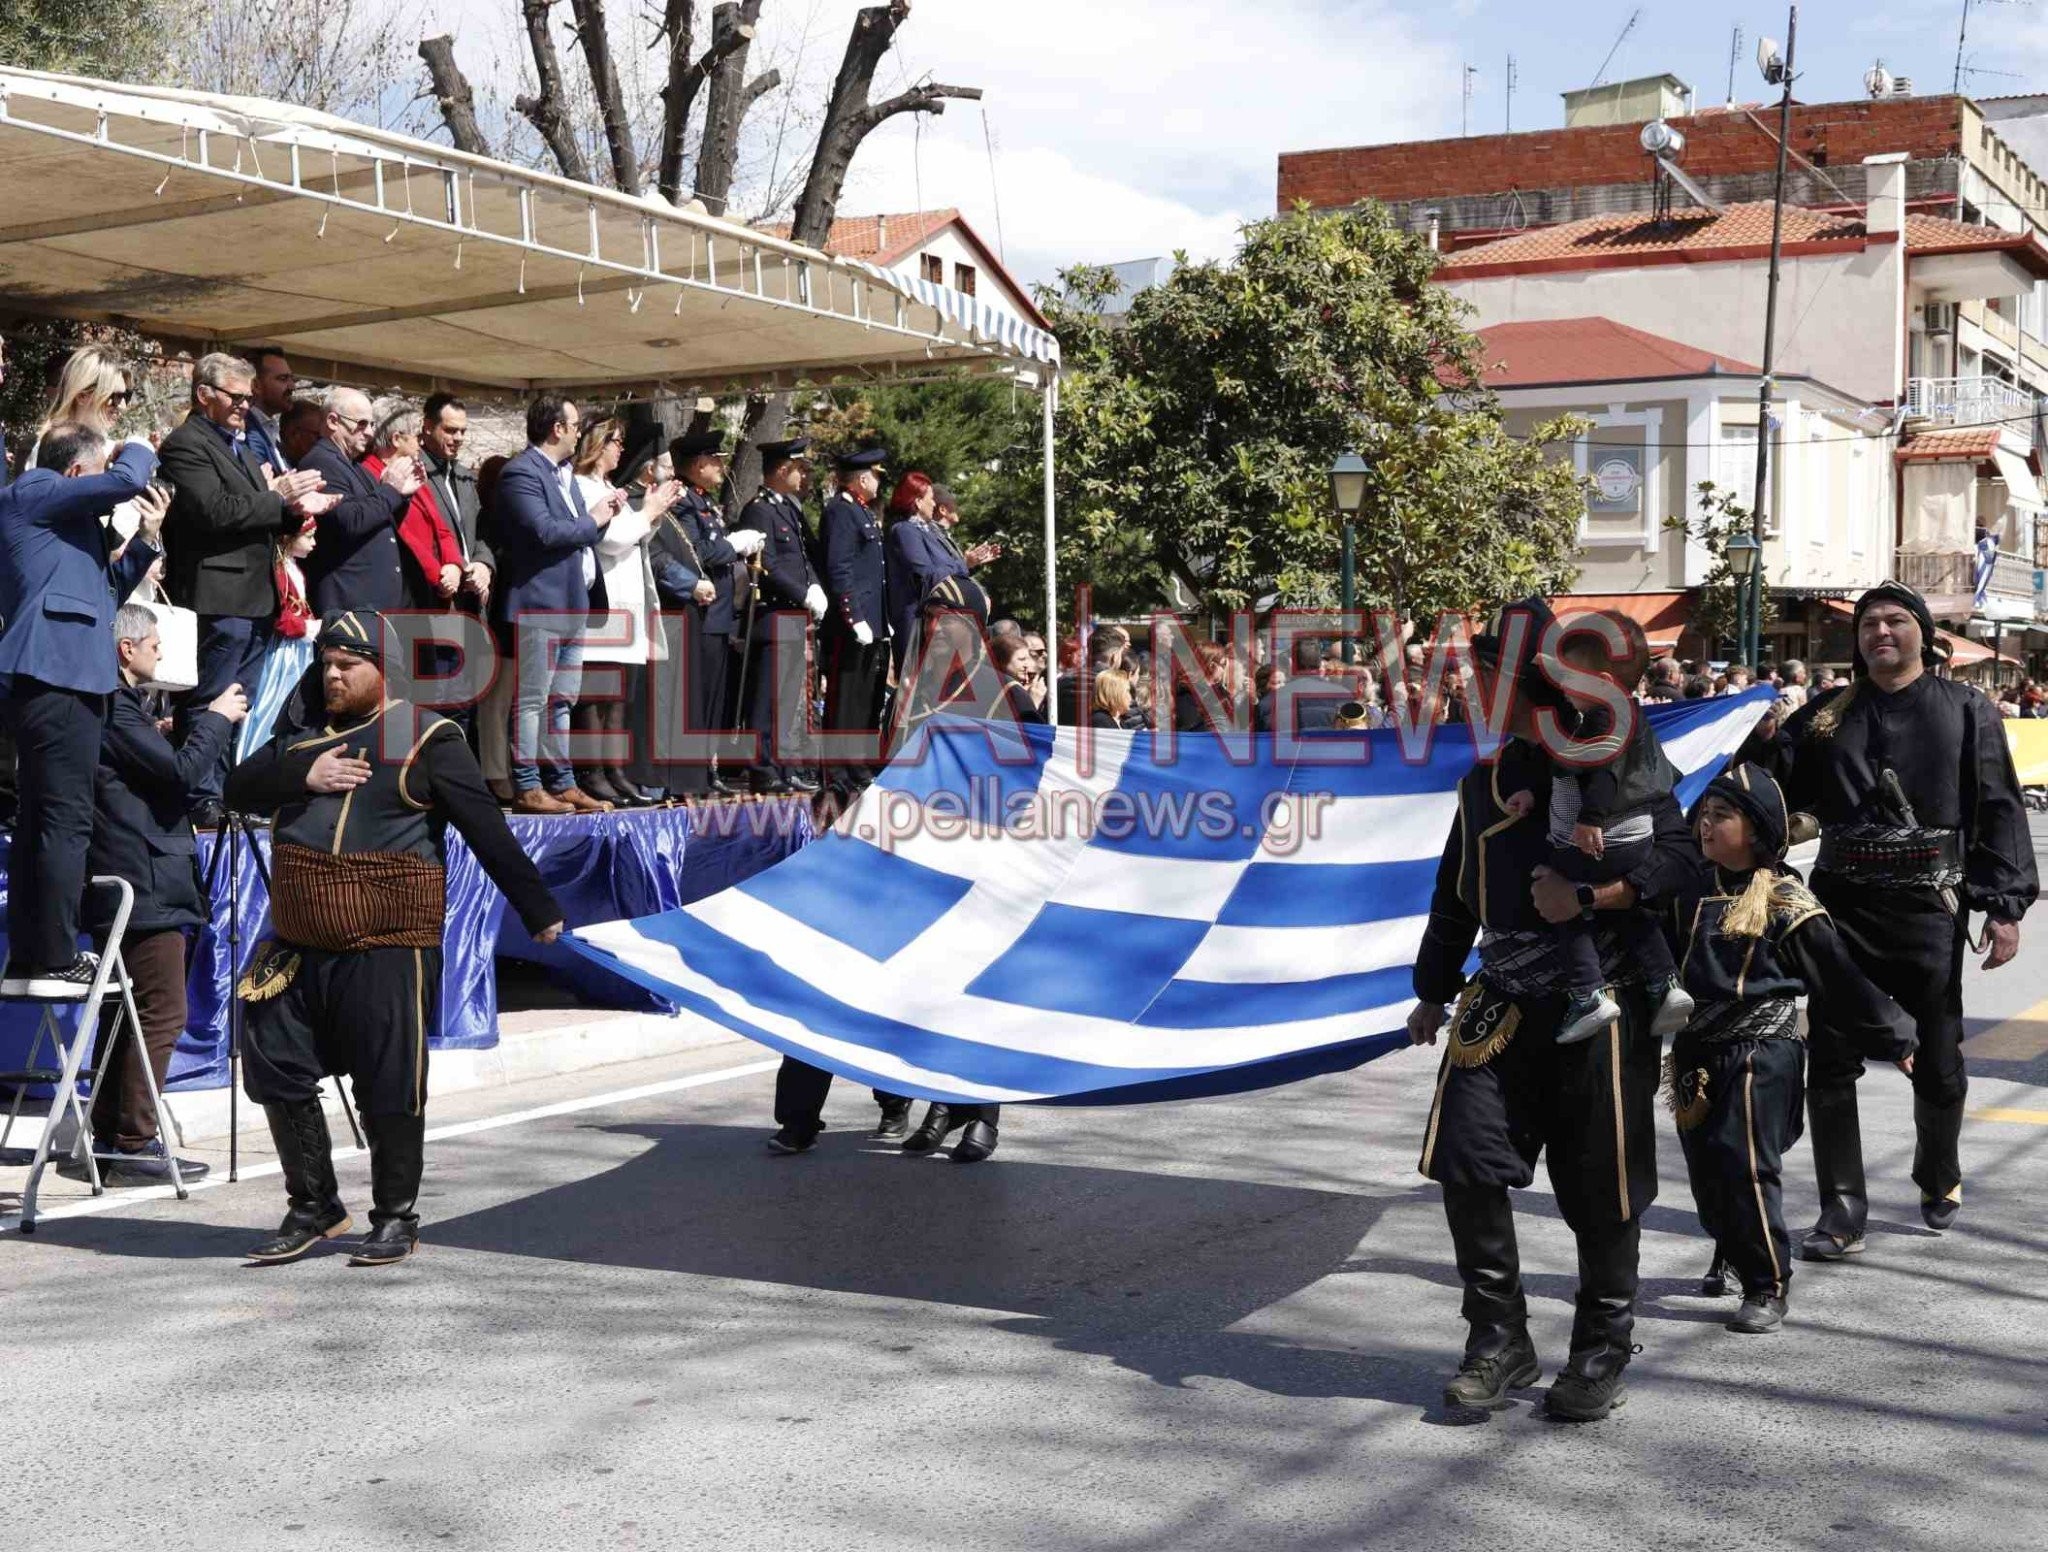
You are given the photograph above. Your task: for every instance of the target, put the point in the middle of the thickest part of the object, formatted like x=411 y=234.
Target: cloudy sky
x=1128 y=128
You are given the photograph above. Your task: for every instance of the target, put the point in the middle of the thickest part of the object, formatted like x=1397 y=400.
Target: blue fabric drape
x=601 y=867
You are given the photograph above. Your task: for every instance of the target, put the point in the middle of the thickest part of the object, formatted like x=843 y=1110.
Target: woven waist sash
x=365 y=899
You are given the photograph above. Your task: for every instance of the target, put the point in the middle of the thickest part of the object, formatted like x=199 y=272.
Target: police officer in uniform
x=776 y=705
x=1921 y=823
x=856 y=629
x=1507 y=1090
x=351 y=982
x=694 y=533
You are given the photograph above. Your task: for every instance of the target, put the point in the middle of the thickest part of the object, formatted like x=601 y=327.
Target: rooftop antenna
x=1465 y=116
x=1962 y=36
x=1509 y=120
x=1734 y=53
x=1627 y=27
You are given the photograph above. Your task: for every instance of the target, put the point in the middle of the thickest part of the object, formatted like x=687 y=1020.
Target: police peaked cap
x=865 y=458
x=775 y=454
x=698 y=444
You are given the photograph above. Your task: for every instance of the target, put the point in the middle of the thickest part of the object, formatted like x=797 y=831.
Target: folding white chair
x=72 y=1052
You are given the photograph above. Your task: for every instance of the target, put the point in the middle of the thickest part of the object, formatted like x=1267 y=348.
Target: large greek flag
x=1082 y=918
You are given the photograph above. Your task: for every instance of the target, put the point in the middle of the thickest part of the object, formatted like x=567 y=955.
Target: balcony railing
x=1948 y=580
x=1973 y=401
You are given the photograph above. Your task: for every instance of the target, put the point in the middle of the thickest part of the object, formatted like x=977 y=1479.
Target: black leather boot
x=1591 y=1385
x=397 y=1158
x=306 y=1153
x=931 y=1131
x=1937 y=1160
x=895 y=1120
x=1498 y=1353
x=1836 y=1134
x=976 y=1143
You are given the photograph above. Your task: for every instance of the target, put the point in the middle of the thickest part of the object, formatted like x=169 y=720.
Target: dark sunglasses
x=240 y=401
x=119 y=398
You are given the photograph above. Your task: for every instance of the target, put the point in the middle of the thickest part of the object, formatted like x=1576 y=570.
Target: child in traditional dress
x=1751 y=938
x=291 y=650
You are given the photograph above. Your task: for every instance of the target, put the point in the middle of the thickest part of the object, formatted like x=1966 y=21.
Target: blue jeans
x=550 y=668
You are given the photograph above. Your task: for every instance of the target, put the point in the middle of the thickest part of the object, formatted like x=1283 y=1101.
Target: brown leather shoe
x=503 y=792
x=582 y=801
x=537 y=801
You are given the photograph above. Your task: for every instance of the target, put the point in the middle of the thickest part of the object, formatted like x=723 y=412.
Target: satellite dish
x=1769 y=61
x=1660 y=139
x=1878 y=81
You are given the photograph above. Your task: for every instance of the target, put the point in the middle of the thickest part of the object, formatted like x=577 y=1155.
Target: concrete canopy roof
x=226 y=221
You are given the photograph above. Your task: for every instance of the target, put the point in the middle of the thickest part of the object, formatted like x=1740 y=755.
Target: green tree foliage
x=1717 y=601
x=1195 y=433
x=115 y=39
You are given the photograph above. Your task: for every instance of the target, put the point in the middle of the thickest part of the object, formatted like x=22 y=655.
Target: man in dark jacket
x=776 y=698
x=697 y=533
x=59 y=586
x=357 y=565
x=140 y=833
x=225 y=520
x=1507 y=1090
x=444 y=427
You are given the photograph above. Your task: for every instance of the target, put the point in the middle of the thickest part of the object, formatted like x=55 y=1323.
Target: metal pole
x=1348 y=589
x=1752 y=644
x=1052 y=586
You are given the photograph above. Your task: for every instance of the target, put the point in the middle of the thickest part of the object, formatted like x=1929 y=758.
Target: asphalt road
x=1221 y=1324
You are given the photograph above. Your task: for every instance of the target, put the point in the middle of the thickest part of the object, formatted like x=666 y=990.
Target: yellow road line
x=2019 y=1117
x=2021 y=1039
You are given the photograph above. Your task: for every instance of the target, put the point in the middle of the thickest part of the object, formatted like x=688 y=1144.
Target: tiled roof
x=1950 y=444
x=879 y=239
x=1591 y=350
x=1739 y=231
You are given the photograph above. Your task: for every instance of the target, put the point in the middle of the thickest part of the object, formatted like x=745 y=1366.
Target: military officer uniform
x=351 y=980
x=856 y=627
x=776 y=701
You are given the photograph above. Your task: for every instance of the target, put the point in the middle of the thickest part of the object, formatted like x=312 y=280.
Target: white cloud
x=1123 y=128
x=1127 y=128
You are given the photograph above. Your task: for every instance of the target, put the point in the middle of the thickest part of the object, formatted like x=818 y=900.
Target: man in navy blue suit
x=356 y=564
x=547 y=564
x=59 y=586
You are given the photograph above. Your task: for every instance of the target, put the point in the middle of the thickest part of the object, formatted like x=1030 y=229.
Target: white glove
x=746 y=541
x=863 y=633
x=814 y=600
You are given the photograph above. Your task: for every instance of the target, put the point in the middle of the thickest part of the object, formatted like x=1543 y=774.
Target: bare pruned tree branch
x=452 y=93
x=678 y=24
x=758 y=88
x=928 y=98
x=732 y=33
x=594 y=36
x=548 y=110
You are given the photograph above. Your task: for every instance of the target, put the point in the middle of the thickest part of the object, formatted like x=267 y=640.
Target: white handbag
x=177 y=630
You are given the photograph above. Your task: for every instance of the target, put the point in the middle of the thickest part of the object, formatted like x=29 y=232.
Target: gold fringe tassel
x=1492 y=1025
x=269 y=973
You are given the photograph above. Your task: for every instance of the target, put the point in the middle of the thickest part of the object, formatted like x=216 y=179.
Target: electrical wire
x=1875 y=436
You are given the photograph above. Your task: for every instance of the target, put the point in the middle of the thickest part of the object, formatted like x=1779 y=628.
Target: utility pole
x=1508 y=122
x=1753 y=645
x=1734 y=53
x=1465 y=115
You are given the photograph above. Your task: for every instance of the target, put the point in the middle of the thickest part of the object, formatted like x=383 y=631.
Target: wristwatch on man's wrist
x=1585 y=893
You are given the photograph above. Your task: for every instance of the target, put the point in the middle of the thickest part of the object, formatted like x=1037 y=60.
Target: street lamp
x=1347 y=494
x=1777 y=70
x=1745 y=556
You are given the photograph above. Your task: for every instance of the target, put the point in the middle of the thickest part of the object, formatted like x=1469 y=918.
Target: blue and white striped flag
x=1005 y=920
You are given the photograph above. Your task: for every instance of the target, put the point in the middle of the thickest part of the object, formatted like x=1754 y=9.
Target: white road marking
x=129 y=1197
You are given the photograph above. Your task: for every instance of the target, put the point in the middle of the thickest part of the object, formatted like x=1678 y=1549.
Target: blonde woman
x=629 y=637
x=1112 y=706
x=95 y=389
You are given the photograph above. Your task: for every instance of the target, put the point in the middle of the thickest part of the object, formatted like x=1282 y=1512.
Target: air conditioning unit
x=1936 y=318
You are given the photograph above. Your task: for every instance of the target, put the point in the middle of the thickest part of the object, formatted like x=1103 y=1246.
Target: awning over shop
x=1962 y=651
x=2022 y=489
x=211 y=220
x=1663 y=616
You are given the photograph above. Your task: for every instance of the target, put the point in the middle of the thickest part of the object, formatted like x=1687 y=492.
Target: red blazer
x=423 y=532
